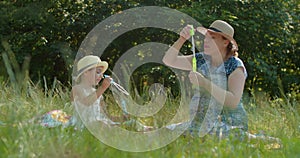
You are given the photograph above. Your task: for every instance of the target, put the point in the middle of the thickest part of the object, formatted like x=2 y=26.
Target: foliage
x=50 y=33
x=267 y=34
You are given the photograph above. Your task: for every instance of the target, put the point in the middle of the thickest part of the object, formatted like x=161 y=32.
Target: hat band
x=82 y=69
x=214 y=29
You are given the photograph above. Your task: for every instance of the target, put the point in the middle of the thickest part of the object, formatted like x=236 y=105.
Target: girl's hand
x=185 y=32
x=106 y=83
x=197 y=78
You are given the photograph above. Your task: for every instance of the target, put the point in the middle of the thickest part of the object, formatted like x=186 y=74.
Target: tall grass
x=21 y=137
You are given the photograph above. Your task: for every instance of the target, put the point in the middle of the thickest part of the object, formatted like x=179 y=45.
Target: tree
x=50 y=33
x=266 y=32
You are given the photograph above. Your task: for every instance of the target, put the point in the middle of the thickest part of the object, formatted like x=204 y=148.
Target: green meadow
x=22 y=136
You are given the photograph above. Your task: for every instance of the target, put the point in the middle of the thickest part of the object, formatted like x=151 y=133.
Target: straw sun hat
x=222 y=28
x=88 y=62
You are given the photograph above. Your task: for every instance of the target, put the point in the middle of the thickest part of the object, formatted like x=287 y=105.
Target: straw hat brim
x=203 y=31
x=103 y=64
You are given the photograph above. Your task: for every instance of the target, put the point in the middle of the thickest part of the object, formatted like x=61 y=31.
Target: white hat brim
x=103 y=64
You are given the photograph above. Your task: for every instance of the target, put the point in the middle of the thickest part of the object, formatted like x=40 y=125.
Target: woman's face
x=214 y=43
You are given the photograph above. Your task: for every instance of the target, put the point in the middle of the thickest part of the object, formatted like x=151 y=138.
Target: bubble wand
x=119 y=87
x=194 y=61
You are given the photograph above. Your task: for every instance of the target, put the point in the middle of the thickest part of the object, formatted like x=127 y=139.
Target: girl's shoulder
x=82 y=91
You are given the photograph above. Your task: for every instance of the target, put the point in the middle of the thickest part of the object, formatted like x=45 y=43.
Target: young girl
x=85 y=97
x=88 y=99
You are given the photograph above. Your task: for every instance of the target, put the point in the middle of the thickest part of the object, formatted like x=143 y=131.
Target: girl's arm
x=90 y=99
x=105 y=84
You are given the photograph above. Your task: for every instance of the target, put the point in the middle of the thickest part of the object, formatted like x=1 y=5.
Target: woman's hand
x=185 y=32
x=198 y=79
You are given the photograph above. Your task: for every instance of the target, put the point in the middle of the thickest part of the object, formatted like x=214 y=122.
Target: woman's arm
x=230 y=97
x=172 y=58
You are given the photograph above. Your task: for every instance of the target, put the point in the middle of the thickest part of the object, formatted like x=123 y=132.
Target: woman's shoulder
x=201 y=55
x=232 y=63
x=201 y=58
x=235 y=60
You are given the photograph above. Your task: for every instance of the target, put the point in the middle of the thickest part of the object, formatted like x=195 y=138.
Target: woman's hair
x=230 y=50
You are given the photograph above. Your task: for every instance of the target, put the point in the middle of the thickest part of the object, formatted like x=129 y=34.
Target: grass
x=20 y=138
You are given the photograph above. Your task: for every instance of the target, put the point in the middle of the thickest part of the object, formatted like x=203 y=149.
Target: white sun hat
x=88 y=62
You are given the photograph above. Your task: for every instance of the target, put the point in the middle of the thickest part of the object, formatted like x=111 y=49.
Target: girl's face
x=94 y=75
x=214 y=43
x=98 y=74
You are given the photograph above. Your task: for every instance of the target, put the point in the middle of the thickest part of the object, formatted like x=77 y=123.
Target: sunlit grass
x=20 y=137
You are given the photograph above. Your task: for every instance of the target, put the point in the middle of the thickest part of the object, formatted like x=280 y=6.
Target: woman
x=221 y=77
